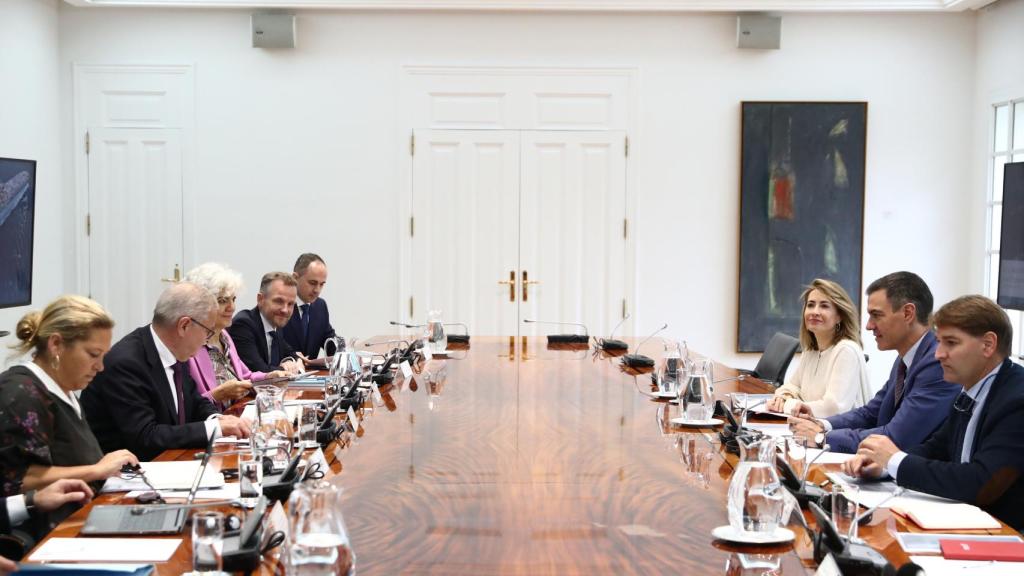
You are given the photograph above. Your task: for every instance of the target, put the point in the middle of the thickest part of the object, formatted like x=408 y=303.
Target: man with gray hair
x=144 y=400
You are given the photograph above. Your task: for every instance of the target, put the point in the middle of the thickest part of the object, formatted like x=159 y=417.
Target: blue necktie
x=275 y=349
x=305 y=322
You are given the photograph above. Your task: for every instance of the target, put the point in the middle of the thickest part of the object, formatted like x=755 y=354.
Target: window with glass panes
x=1007 y=146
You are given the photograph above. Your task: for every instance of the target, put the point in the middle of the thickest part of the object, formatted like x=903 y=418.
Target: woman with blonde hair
x=832 y=376
x=43 y=435
x=218 y=371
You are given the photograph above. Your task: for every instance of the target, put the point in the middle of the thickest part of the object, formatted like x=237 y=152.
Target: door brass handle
x=511 y=285
x=526 y=283
x=177 y=275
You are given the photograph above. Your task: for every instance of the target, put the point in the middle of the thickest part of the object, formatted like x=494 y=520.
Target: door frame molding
x=419 y=82
x=183 y=76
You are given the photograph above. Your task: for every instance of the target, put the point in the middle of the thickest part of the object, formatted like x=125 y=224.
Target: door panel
x=573 y=204
x=465 y=205
x=135 y=187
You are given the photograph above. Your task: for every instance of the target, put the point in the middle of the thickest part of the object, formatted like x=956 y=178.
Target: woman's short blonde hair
x=848 y=326
x=216 y=278
x=72 y=317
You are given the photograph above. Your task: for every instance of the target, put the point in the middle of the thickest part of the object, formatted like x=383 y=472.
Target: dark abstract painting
x=801 y=209
x=17 y=210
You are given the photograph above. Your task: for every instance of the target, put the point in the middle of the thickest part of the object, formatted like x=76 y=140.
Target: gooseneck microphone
x=610 y=344
x=563 y=338
x=636 y=360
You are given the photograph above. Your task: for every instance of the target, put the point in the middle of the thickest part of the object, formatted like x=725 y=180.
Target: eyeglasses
x=209 y=331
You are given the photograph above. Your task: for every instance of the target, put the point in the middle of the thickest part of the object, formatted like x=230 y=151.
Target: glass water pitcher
x=319 y=543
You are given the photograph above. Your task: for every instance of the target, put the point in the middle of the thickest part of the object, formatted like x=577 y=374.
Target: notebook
x=974 y=550
x=946 y=516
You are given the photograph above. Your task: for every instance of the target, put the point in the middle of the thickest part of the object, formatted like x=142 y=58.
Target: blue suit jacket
x=927 y=399
x=991 y=479
x=246 y=331
x=319 y=329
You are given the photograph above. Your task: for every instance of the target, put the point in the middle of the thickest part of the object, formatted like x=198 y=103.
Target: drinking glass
x=739 y=404
x=844 y=509
x=796 y=454
x=207 y=542
x=434 y=335
x=250 y=478
x=307 y=426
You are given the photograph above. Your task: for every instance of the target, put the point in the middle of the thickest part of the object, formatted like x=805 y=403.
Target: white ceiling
x=572 y=5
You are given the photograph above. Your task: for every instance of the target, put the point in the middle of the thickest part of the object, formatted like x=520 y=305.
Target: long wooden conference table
x=513 y=457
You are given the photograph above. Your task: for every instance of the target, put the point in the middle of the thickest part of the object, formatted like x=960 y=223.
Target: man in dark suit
x=977 y=456
x=310 y=324
x=915 y=400
x=145 y=400
x=258 y=333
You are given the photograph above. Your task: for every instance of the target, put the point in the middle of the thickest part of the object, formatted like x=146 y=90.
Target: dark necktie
x=901 y=378
x=179 y=374
x=305 y=321
x=275 y=349
x=963 y=408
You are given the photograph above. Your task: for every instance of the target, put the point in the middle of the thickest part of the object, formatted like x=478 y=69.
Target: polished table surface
x=513 y=457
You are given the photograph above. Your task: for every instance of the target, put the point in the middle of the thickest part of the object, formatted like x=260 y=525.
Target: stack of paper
x=106 y=550
x=939 y=565
x=166 y=476
x=945 y=515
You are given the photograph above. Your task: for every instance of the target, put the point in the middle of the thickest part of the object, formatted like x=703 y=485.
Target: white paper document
x=226 y=492
x=939 y=565
x=928 y=542
x=827 y=457
x=773 y=430
x=177 y=475
x=106 y=550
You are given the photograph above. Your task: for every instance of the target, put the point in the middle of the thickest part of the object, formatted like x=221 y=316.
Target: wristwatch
x=30 y=501
x=819 y=439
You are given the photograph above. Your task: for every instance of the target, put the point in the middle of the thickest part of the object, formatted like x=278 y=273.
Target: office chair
x=776 y=358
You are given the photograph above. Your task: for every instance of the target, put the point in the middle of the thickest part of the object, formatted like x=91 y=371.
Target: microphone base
x=853 y=559
x=614 y=345
x=638 y=361
x=809 y=493
x=568 y=339
x=239 y=559
x=458 y=338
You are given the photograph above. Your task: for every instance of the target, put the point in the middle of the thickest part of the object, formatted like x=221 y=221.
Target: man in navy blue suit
x=310 y=324
x=257 y=332
x=915 y=400
x=977 y=456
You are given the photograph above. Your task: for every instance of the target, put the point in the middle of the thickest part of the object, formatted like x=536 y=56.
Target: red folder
x=982 y=550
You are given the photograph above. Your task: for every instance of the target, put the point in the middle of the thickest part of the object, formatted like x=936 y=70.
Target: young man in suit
x=977 y=456
x=310 y=324
x=915 y=400
x=258 y=333
x=144 y=400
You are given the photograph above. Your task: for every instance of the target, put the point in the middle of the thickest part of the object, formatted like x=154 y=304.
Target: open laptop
x=143 y=520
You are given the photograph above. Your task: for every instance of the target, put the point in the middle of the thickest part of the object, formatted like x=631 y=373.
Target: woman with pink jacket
x=219 y=373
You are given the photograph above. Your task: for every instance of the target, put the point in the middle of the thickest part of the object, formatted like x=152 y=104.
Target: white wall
x=315 y=126
x=29 y=128
x=999 y=77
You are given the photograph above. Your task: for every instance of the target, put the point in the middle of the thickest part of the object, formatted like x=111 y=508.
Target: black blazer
x=129 y=404
x=319 y=329
x=991 y=479
x=251 y=341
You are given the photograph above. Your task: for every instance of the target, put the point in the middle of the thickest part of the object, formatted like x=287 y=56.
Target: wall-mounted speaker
x=273 y=30
x=759 y=32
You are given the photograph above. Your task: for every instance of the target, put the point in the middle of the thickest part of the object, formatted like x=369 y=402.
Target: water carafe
x=434 y=335
x=697 y=394
x=756 y=497
x=319 y=543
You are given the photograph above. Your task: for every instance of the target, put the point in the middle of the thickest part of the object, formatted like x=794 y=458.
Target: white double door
x=517 y=224
x=135 y=219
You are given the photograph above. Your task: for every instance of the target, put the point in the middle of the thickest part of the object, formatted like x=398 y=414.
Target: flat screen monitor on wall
x=1011 y=243
x=17 y=221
